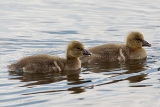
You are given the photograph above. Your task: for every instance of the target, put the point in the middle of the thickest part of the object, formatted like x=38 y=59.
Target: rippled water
x=46 y=26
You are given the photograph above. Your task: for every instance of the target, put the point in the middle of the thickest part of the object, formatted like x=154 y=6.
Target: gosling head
x=135 y=40
x=76 y=49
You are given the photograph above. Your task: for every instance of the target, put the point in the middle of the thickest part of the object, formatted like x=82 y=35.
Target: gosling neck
x=132 y=47
x=69 y=57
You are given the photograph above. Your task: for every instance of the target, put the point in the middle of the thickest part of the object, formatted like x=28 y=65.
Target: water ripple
x=36 y=27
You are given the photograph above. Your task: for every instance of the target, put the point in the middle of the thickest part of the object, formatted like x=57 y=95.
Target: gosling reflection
x=76 y=90
x=75 y=80
x=39 y=79
x=72 y=77
x=101 y=67
x=135 y=66
x=137 y=78
x=129 y=67
x=44 y=78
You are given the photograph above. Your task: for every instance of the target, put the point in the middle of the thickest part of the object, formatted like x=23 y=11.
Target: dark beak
x=86 y=52
x=145 y=43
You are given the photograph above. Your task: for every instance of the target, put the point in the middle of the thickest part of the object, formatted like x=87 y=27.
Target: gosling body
x=44 y=63
x=132 y=49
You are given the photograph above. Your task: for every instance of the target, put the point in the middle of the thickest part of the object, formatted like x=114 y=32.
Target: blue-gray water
x=46 y=26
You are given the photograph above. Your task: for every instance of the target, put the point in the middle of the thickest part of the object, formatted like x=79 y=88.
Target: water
x=38 y=26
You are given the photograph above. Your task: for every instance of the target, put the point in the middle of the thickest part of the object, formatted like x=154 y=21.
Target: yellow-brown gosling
x=132 y=49
x=43 y=63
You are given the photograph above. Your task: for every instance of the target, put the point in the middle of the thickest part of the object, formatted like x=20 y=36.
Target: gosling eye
x=78 y=48
x=138 y=39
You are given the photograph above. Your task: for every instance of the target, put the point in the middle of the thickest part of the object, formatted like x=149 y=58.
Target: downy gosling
x=132 y=49
x=43 y=63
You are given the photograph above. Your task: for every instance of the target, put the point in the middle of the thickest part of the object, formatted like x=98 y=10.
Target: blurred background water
x=46 y=26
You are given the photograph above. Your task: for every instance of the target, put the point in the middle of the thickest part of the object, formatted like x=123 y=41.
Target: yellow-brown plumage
x=132 y=49
x=43 y=63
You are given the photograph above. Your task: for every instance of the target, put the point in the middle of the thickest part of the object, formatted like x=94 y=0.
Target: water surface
x=34 y=27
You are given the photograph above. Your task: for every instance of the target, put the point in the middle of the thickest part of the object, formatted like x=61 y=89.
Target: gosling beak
x=145 y=43
x=86 y=52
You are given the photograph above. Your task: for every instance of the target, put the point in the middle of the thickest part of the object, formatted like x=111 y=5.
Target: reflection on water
x=117 y=70
x=131 y=66
x=46 y=27
x=45 y=78
x=114 y=69
x=39 y=79
x=32 y=79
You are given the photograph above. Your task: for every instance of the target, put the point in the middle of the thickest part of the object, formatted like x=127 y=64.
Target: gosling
x=43 y=63
x=132 y=49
